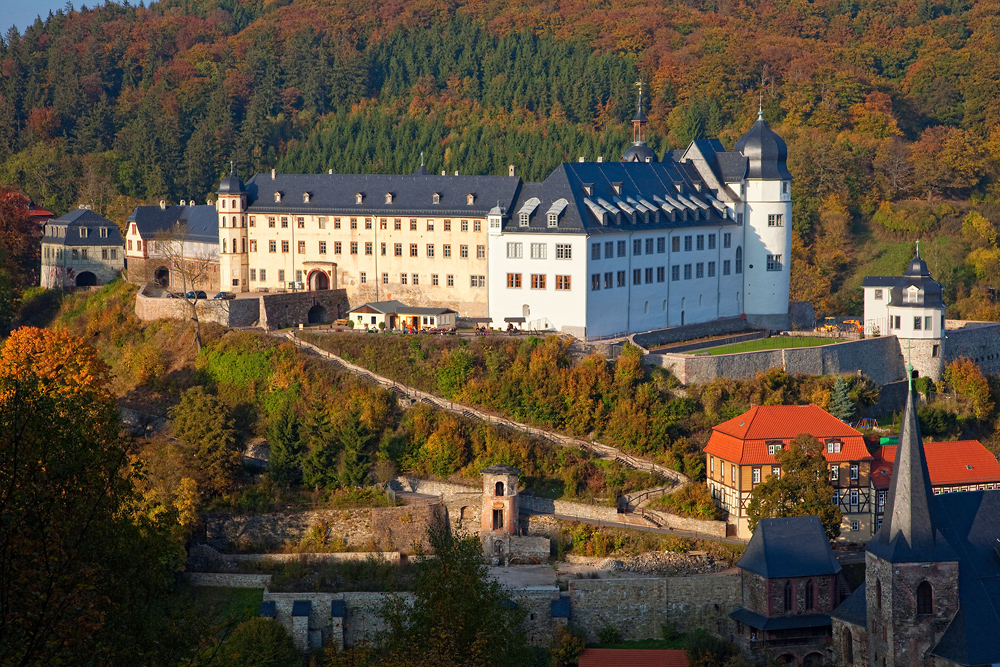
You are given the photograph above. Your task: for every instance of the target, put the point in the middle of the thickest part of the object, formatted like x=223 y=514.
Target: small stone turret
x=500 y=500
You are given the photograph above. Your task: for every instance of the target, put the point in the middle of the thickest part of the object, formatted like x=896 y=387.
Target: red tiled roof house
x=741 y=453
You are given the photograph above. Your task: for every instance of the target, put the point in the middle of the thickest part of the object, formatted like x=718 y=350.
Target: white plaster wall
x=766 y=292
x=566 y=310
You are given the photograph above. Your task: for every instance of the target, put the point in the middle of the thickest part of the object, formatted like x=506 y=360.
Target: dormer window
x=553 y=220
x=388 y=197
x=773 y=448
x=83 y=232
x=833 y=447
x=912 y=294
x=617 y=187
x=305 y=197
x=358 y=198
x=436 y=198
x=277 y=198
x=588 y=189
x=522 y=219
x=104 y=232
x=469 y=199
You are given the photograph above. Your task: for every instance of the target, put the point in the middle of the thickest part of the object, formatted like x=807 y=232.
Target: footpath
x=634 y=515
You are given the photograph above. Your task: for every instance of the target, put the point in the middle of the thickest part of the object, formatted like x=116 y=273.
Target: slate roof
x=632 y=657
x=765 y=151
x=916 y=275
x=268 y=608
x=668 y=189
x=854 y=609
x=338 y=609
x=301 y=608
x=793 y=546
x=335 y=194
x=500 y=469
x=755 y=620
x=744 y=439
x=202 y=221
x=948 y=463
x=909 y=532
x=84 y=218
x=231 y=185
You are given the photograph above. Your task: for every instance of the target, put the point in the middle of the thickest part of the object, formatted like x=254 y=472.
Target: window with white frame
x=515 y=250
x=775 y=220
x=878 y=295
x=854 y=471
x=854 y=497
x=539 y=250
x=834 y=472
x=833 y=447
x=774 y=262
x=773 y=448
x=756 y=475
x=564 y=251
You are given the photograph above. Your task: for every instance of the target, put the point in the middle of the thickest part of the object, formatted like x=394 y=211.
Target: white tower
x=233 y=258
x=767 y=232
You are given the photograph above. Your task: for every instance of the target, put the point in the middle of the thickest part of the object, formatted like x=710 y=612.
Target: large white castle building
x=595 y=250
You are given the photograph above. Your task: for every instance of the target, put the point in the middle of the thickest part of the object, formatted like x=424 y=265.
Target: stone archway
x=814 y=659
x=86 y=279
x=162 y=277
x=317 y=315
x=318 y=280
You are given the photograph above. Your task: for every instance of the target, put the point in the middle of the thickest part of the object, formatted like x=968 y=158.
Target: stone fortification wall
x=385 y=528
x=978 y=341
x=317 y=558
x=719 y=327
x=290 y=309
x=432 y=488
x=878 y=358
x=638 y=607
x=463 y=504
x=579 y=510
x=726 y=340
x=230 y=313
x=700 y=526
x=611 y=515
x=361 y=622
x=223 y=580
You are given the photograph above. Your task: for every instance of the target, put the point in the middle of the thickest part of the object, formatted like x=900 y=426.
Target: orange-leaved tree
x=75 y=557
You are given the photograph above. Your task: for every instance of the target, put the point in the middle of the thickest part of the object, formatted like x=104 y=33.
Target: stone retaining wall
x=719 y=327
x=289 y=309
x=229 y=313
x=878 y=358
x=700 y=526
x=346 y=556
x=638 y=607
x=228 y=580
x=717 y=342
x=576 y=510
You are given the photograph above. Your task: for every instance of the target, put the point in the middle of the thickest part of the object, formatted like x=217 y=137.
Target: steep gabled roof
x=794 y=546
x=909 y=532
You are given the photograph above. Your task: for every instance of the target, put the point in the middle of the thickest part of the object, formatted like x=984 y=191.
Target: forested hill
x=891 y=109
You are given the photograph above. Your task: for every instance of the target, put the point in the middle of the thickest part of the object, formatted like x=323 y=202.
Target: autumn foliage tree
x=802 y=489
x=969 y=381
x=77 y=560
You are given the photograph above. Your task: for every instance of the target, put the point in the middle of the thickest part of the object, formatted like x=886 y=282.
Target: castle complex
x=597 y=249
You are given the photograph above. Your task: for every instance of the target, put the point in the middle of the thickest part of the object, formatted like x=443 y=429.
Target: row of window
x=691 y=242
x=754 y=474
x=515 y=250
x=84 y=231
x=640 y=276
x=383 y=223
x=538 y=281
x=79 y=254
x=912 y=295
x=355 y=246
x=835 y=472
x=919 y=323
x=404 y=278
x=853 y=497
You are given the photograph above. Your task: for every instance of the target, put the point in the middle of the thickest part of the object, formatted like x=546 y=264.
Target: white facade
x=767 y=248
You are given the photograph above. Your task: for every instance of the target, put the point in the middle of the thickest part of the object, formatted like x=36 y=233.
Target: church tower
x=639 y=151
x=233 y=258
x=911 y=572
x=767 y=233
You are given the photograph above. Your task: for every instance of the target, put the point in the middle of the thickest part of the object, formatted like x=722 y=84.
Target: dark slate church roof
x=855 y=608
x=202 y=221
x=916 y=275
x=411 y=195
x=794 y=546
x=84 y=218
x=909 y=532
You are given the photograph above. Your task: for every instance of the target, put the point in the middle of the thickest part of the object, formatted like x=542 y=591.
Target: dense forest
x=890 y=109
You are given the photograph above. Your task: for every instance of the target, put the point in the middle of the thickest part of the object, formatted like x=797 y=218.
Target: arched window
x=499 y=489
x=224 y=245
x=925 y=598
x=848 y=647
x=234 y=222
x=789 y=597
x=739 y=259
x=223 y=203
x=878 y=594
x=810 y=599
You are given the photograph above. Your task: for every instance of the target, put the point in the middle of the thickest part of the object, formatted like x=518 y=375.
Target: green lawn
x=772 y=343
x=222 y=605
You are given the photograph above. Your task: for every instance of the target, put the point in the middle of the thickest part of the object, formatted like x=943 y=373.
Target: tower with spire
x=233 y=258
x=766 y=208
x=911 y=308
x=639 y=151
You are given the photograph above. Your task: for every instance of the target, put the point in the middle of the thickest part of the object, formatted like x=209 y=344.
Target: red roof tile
x=948 y=464
x=632 y=657
x=744 y=439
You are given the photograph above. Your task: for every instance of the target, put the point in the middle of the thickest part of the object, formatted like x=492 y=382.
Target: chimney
x=272 y=174
x=600 y=158
x=444 y=173
x=330 y=172
x=510 y=171
x=191 y=202
x=183 y=202
x=163 y=204
x=580 y=159
x=456 y=172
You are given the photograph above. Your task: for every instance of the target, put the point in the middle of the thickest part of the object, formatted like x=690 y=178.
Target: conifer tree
x=286 y=449
x=841 y=405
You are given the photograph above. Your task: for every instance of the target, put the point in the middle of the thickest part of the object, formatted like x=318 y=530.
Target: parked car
x=200 y=294
x=173 y=295
x=224 y=295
